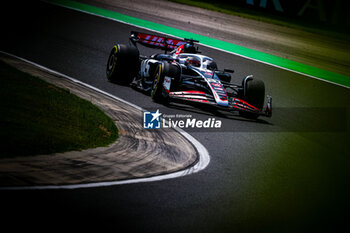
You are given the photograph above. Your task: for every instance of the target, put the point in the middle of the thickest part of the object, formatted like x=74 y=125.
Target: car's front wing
x=235 y=104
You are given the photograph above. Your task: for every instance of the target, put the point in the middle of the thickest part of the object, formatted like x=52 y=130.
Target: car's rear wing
x=159 y=42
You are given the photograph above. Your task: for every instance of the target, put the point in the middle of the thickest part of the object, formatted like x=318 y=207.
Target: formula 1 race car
x=184 y=75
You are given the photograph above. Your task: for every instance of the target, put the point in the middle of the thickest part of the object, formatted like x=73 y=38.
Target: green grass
x=277 y=19
x=39 y=118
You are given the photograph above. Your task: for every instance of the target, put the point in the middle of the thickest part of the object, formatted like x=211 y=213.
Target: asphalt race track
x=233 y=194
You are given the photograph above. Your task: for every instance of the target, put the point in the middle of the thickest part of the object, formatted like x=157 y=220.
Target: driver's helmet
x=189 y=48
x=193 y=61
x=210 y=65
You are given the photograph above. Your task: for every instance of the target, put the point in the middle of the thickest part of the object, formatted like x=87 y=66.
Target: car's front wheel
x=160 y=89
x=254 y=94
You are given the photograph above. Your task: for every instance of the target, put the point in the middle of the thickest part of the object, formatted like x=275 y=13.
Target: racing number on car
x=166 y=84
x=179 y=49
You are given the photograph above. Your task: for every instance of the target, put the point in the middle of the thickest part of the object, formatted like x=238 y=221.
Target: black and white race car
x=184 y=75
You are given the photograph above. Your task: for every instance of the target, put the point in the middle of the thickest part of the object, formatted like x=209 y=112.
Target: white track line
x=222 y=50
x=202 y=163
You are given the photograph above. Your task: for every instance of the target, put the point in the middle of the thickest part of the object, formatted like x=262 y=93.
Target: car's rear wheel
x=123 y=64
x=254 y=94
x=159 y=93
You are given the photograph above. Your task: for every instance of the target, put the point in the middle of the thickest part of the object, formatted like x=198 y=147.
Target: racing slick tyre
x=159 y=93
x=123 y=64
x=254 y=94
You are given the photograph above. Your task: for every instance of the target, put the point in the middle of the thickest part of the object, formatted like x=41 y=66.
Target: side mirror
x=229 y=71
